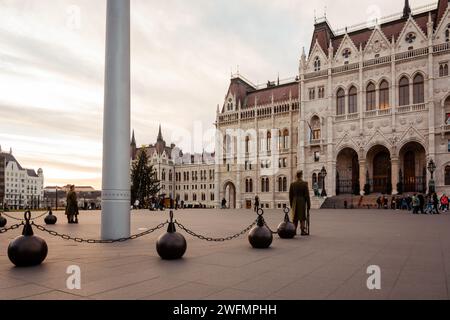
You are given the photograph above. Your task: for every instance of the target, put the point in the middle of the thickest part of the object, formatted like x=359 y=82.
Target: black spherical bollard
x=3 y=221
x=171 y=245
x=50 y=219
x=260 y=237
x=286 y=229
x=27 y=250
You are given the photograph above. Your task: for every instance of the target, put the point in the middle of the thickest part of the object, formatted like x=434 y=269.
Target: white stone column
x=116 y=123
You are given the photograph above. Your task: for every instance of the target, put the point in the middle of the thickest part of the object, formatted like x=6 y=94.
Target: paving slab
x=413 y=253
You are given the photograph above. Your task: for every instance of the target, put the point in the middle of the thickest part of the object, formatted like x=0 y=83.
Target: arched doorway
x=347 y=172
x=379 y=162
x=230 y=195
x=413 y=170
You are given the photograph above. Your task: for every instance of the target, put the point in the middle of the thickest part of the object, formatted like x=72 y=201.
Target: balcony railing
x=412 y=108
x=229 y=117
x=345 y=117
x=377 y=61
x=441 y=47
x=378 y=113
x=347 y=67
x=316 y=74
x=411 y=54
x=445 y=128
x=315 y=142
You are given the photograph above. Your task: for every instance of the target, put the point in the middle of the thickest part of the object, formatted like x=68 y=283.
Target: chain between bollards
x=93 y=241
x=13 y=227
x=19 y=219
x=210 y=239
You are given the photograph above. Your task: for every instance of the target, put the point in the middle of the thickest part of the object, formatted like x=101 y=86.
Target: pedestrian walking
x=256 y=203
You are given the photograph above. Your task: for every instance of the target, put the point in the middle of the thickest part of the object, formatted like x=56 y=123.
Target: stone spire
x=406 y=10
x=160 y=137
x=133 y=140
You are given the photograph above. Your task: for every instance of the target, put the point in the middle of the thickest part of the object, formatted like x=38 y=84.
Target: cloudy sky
x=183 y=52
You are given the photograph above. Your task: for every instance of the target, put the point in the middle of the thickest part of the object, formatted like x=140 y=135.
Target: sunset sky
x=52 y=66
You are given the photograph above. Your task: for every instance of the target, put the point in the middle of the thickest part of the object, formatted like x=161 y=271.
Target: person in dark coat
x=72 y=206
x=300 y=202
x=422 y=203
x=256 y=203
x=435 y=201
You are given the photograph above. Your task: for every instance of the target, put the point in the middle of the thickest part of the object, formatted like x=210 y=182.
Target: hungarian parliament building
x=368 y=112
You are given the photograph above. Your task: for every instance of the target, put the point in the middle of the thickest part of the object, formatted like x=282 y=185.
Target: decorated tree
x=144 y=181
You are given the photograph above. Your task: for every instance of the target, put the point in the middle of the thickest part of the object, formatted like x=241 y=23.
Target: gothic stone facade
x=371 y=106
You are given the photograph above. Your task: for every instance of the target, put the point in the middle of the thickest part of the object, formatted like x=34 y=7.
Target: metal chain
x=92 y=241
x=13 y=227
x=273 y=232
x=19 y=219
x=209 y=239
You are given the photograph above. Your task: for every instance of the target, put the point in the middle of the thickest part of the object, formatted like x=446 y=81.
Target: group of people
x=417 y=203
x=298 y=197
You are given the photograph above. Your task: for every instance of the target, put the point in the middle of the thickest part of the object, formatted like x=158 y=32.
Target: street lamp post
x=431 y=169
x=323 y=172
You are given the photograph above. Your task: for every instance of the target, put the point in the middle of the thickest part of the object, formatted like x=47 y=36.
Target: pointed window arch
x=317 y=64
x=352 y=100
x=418 y=89
x=403 y=91
x=447 y=175
x=340 y=102
x=447 y=33
x=269 y=141
x=384 y=95
x=370 y=97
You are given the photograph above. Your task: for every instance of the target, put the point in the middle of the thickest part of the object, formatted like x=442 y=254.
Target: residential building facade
x=20 y=187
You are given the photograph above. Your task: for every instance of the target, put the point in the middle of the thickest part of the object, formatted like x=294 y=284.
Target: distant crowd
x=416 y=203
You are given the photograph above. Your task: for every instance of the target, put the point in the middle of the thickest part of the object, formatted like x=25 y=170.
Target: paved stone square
x=413 y=252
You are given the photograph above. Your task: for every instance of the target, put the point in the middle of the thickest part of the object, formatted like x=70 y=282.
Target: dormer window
x=447 y=33
x=230 y=105
x=317 y=64
x=410 y=37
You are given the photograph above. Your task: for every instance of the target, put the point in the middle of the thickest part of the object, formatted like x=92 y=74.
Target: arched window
x=443 y=69
x=280 y=184
x=418 y=89
x=265 y=185
x=284 y=184
x=340 y=102
x=227 y=145
x=285 y=141
x=247 y=144
x=170 y=175
x=447 y=34
x=352 y=100
x=314 y=179
x=315 y=128
x=384 y=95
x=447 y=175
x=163 y=175
x=194 y=197
x=280 y=140
x=249 y=185
x=403 y=91
x=370 y=97
x=317 y=64
x=269 y=141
